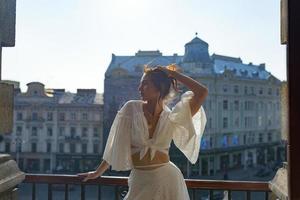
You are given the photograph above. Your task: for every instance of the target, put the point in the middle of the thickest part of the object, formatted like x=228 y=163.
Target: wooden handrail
x=122 y=181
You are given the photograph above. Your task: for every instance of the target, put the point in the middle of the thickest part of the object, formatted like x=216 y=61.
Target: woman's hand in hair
x=169 y=70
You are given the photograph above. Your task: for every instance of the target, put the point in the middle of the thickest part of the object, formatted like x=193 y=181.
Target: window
x=225 y=104
x=61 y=147
x=84 y=131
x=19 y=130
x=49 y=131
x=225 y=122
x=269 y=122
x=252 y=90
x=61 y=131
x=96 y=133
x=270 y=91
x=72 y=148
x=49 y=116
x=261 y=91
x=73 y=132
x=270 y=137
x=19 y=116
x=225 y=141
x=33 y=147
x=19 y=147
x=61 y=117
x=34 y=131
x=225 y=88
x=204 y=143
x=277 y=92
x=249 y=105
x=73 y=116
x=235 y=140
x=7 y=147
x=84 y=148
x=259 y=121
x=237 y=122
x=96 y=148
x=34 y=116
x=236 y=89
x=260 y=138
x=97 y=117
x=210 y=122
x=48 y=147
x=236 y=105
x=84 y=116
x=246 y=90
x=248 y=122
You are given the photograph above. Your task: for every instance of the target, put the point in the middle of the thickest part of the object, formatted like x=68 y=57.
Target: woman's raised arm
x=199 y=90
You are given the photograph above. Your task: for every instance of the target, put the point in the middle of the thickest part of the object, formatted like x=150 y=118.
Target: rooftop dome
x=196 y=51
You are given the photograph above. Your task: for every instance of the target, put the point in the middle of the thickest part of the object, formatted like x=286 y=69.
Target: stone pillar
x=10 y=177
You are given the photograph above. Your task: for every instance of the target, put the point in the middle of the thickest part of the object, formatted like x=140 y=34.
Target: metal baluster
x=117 y=192
x=211 y=194
x=49 y=191
x=266 y=195
x=66 y=191
x=248 y=195
x=99 y=192
x=229 y=194
x=82 y=192
x=194 y=193
x=33 y=191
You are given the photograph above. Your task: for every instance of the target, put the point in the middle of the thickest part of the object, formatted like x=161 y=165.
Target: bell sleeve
x=188 y=129
x=117 y=152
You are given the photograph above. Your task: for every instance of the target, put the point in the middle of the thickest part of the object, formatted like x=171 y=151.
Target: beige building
x=242 y=108
x=55 y=130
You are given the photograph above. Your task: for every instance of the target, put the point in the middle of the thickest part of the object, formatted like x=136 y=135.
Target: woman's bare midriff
x=159 y=158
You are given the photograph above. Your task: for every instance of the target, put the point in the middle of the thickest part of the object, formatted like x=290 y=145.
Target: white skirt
x=163 y=183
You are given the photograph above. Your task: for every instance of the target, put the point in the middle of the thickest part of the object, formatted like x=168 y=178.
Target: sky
x=69 y=43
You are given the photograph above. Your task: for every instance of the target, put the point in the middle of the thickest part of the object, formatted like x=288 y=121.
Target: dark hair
x=166 y=85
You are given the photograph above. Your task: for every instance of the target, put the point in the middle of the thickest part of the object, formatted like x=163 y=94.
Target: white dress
x=129 y=134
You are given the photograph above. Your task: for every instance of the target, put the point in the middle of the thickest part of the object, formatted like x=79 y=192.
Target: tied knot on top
x=148 y=144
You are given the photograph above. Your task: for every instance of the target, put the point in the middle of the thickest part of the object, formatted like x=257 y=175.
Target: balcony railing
x=120 y=186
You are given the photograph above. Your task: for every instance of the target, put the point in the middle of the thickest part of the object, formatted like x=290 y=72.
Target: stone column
x=10 y=177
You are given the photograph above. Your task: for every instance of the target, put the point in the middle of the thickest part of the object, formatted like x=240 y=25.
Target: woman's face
x=147 y=89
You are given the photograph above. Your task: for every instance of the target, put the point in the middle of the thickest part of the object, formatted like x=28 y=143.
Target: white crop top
x=129 y=133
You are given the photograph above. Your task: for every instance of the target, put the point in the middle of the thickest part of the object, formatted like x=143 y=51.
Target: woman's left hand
x=170 y=69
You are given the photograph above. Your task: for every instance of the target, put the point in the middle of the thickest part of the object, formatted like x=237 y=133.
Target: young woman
x=142 y=132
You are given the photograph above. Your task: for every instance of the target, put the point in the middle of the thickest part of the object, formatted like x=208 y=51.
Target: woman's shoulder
x=131 y=106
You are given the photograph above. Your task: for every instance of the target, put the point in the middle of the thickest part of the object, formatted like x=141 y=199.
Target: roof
x=235 y=65
x=86 y=99
x=197 y=40
x=132 y=63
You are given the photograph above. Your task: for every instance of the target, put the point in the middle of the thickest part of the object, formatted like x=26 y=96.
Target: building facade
x=242 y=108
x=55 y=130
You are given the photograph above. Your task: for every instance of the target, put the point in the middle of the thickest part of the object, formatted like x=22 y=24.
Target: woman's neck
x=154 y=107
